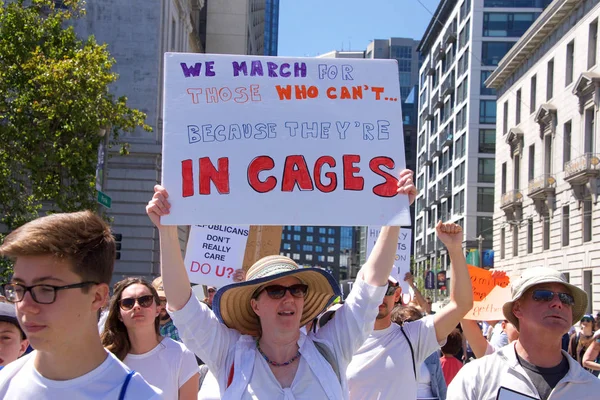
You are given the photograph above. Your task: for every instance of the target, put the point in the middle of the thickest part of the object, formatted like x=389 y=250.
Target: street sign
x=103 y=199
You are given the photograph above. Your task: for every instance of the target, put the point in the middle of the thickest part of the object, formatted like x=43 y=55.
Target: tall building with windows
x=548 y=151
x=462 y=45
x=271 y=27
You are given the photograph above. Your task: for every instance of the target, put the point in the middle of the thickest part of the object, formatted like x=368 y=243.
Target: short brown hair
x=453 y=343
x=401 y=314
x=82 y=238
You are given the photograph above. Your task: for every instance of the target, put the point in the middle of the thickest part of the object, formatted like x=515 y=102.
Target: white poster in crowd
x=214 y=252
x=280 y=141
x=402 y=258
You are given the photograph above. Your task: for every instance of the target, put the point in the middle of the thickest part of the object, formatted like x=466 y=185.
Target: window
x=322 y=239
x=492 y=52
x=487 y=141
x=507 y=24
x=296 y=256
x=330 y=249
x=330 y=259
x=485 y=171
x=461 y=119
x=402 y=52
x=464 y=35
x=587 y=220
x=331 y=240
x=530 y=235
x=310 y=229
x=516 y=3
x=565 y=225
x=567 y=142
x=289 y=237
x=484 y=228
x=459 y=203
x=505 y=118
x=463 y=64
x=487 y=111
x=515 y=238
x=518 y=108
x=308 y=257
x=570 y=61
x=331 y=231
x=503 y=183
x=459 y=147
x=531 y=162
x=502 y=243
x=546 y=233
x=309 y=238
x=592 y=44
x=516 y=171
x=319 y=249
x=485 y=199
x=484 y=91
x=532 y=95
x=297 y=229
x=321 y=258
x=307 y=247
x=404 y=65
x=296 y=237
x=322 y=231
x=287 y=246
x=550 y=80
x=589 y=131
x=589 y=290
x=459 y=175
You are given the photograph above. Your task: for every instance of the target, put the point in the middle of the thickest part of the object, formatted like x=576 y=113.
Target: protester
x=252 y=343
x=499 y=337
x=543 y=306
x=580 y=341
x=478 y=343
x=450 y=364
x=430 y=378
x=211 y=290
x=132 y=334
x=591 y=358
x=13 y=342
x=425 y=304
x=167 y=327
x=63 y=266
x=379 y=368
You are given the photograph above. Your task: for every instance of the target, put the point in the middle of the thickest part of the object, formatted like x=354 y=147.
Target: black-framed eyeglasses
x=548 y=295
x=391 y=289
x=42 y=294
x=144 y=302
x=278 y=291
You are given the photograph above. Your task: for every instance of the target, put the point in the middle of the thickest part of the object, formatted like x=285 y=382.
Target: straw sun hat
x=231 y=303
x=535 y=276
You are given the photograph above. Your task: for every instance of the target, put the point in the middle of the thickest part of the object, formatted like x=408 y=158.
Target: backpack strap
x=329 y=357
x=125 y=384
x=412 y=352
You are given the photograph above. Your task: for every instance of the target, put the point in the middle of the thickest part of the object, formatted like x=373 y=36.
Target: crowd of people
x=279 y=331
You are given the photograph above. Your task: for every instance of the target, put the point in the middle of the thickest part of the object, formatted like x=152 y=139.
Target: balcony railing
x=431 y=69
x=511 y=198
x=431 y=197
x=582 y=168
x=420 y=250
x=437 y=100
x=450 y=35
x=444 y=191
x=430 y=244
x=541 y=185
x=440 y=52
x=448 y=85
x=447 y=136
x=434 y=149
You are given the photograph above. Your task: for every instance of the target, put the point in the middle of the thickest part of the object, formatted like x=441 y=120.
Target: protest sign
x=274 y=141
x=214 y=252
x=402 y=258
x=262 y=241
x=489 y=295
x=429 y=280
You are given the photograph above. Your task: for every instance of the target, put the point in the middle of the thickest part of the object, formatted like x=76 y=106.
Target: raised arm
x=409 y=278
x=172 y=268
x=377 y=269
x=590 y=356
x=475 y=337
x=461 y=291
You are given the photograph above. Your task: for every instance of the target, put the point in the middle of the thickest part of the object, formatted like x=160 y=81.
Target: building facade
x=462 y=45
x=138 y=33
x=271 y=27
x=548 y=152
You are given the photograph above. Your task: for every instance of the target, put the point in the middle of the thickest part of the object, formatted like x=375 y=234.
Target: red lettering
x=284 y=92
x=295 y=171
x=219 y=177
x=261 y=163
x=195 y=266
x=377 y=91
x=331 y=175
x=187 y=178
x=331 y=93
x=390 y=186
x=352 y=182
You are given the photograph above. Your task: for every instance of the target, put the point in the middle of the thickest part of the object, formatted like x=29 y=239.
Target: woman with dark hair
x=132 y=333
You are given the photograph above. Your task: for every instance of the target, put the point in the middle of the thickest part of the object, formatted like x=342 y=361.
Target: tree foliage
x=54 y=100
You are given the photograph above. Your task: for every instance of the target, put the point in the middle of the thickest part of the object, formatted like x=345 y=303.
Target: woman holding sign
x=253 y=343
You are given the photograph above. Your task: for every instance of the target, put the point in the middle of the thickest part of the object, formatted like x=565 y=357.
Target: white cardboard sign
x=402 y=258
x=275 y=141
x=214 y=252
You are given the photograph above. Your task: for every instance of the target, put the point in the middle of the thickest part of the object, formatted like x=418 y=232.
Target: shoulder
x=138 y=388
x=12 y=369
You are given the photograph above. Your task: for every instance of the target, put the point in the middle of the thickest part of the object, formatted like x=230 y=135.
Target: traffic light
x=118 y=237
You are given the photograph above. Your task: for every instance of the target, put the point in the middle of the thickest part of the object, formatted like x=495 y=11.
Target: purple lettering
x=256 y=69
x=237 y=68
x=191 y=71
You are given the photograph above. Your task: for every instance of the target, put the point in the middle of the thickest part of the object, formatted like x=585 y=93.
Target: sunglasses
x=129 y=303
x=211 y=290
x=548 y=295
x=391 y=289
x=277 y=291
x=587 y=320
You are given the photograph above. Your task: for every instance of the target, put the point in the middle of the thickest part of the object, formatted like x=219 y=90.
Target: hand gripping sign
x=273 y=141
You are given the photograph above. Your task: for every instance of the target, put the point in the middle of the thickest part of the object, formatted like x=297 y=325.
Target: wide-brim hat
x=158 y=285
x=231 y=303
x=538 y=275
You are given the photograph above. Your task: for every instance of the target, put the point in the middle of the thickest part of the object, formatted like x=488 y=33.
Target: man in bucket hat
x=543 y=307
x=252 y=343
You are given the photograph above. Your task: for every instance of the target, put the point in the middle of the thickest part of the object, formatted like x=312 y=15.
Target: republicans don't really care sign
x=272 y=141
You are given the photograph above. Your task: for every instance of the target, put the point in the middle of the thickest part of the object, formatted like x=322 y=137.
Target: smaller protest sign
x=262 y=241
x=489 y=295
x=441 y=280
x=429 y=280
x=214 y=252
x=402 y=258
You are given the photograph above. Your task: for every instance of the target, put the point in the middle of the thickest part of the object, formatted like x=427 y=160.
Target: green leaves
x=54 y=99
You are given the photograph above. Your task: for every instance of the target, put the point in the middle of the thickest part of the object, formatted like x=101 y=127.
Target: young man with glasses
x=382 y=367
x=63 y=265
x=543 y=307
x=167 y=327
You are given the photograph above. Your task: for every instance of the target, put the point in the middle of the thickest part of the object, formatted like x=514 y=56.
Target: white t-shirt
x=167 y=366
x=382 y=368
x=210 y=388
x=424 y=391
x=21 y=381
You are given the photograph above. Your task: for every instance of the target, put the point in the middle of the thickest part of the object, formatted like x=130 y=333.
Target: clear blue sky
x=308 y=28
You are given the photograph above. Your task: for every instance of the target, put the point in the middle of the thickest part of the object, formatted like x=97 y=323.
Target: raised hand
x=239 y=275
x=409 y=278
x=158 y=206
x=406 y=185
x=450 y=234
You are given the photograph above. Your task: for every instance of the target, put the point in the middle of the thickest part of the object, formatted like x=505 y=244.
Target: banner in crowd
x=429 y=280
x=262 y=241
x=489 y=295
x=402 y=258
x=441 y=280
x=214 y=252
x=274 y=141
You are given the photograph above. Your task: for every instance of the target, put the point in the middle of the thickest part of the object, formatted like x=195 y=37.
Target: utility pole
x=102 y=161
x=480 y=239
